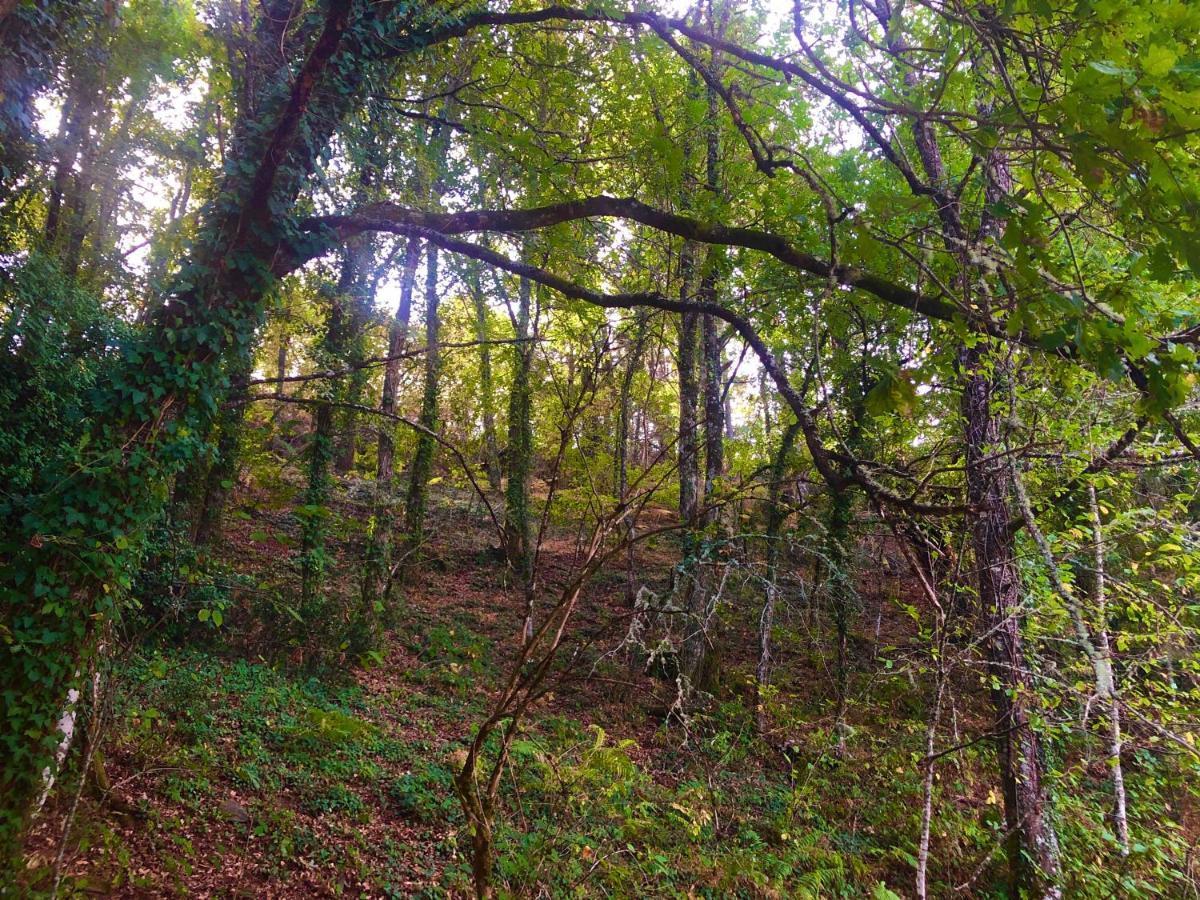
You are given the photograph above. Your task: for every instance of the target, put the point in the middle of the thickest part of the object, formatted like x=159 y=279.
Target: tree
x=955 y=215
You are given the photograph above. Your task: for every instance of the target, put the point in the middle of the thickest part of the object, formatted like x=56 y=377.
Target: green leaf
x=893 y=393
x=1107 y=68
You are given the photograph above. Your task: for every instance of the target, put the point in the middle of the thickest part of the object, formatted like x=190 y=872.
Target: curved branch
x=823 y=459
x=392 y=217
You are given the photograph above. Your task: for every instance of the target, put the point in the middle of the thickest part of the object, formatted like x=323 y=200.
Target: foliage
x=949 y=249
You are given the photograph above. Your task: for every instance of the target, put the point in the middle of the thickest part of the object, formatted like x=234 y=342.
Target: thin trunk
x=281 y=370
x=362 y=294
x=699 y=662
x=633 y=362
x=332 y=355
x=379 y=542
x=313 y=557
x=1033 y=853
x=839 y=541
x=517 y=524
x=840 y=590
x=689 y=468
x=931 y=729
x=1098 y=652
x=67 y=213
x=66 y=730
x=115 y=148
x=422 y=466
x=689 y=394
x=714 y=406
x=75 y=115
x=1106 y=681
x=764 y=395
x=776 y=516
x=487 y=391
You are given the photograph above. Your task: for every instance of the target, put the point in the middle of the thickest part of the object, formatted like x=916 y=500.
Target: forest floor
x=234 y=772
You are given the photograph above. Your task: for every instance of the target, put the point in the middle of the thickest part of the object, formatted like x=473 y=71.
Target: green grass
x=359 y=786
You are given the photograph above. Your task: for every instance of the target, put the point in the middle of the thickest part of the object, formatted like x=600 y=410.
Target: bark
x=764 y=397
x=1033 y=852
x=517 y=523
x=689 y=399
x=931 y=729
x=840 y=590
x=66 y=729
x=1032 y=842
x=633 y=362
x=1106 y=683
x=487 y=390
x=362 y=302
x=313 y=560
x=776 y=516
x=700 y=662
x=66 y=215
x=379 y=542
x=1098 y=651
x=714 y=405
x=281 y=369
x=422 y=466
x=76 y=118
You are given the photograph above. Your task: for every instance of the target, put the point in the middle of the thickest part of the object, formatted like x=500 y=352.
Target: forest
x=600 y=448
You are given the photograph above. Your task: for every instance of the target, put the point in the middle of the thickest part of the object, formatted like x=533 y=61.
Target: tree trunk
x=1106 y=680
x=176 y=365
x=223 y=471
x=362 y=304
x=1098 y=652
x=76 y=118
x=378 y=566
x=67 y=208
x=689 y=401
x=714 y=405
x=840 y=590
x=633 y=362
x=487 y=390
x=422 y=466
x=776 y=516
x=1032 y=842
x=1033 y=855
x=517 y=525
x=313 y=559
